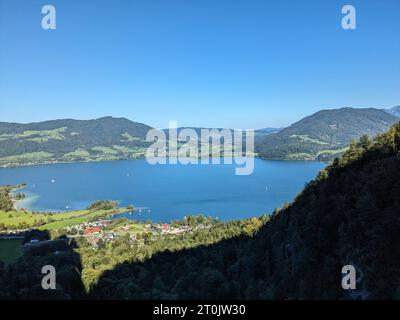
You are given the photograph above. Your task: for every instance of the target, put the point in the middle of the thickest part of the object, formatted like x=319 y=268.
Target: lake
x=163 y=192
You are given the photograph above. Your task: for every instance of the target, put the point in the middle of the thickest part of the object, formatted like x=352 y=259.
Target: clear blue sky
x=228 y=63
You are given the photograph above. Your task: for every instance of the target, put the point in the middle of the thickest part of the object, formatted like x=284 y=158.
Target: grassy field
x=105 y=150
x=50 y=221
x=78 y=153
x=54 y=134
x=338 y=151
x=128 y=137
x=72 y=221
x=33 y=156
x=300 y=156
x=10 y=250
x=129 y=227
x=97 y=153
x=38 y=136
x=306 y=138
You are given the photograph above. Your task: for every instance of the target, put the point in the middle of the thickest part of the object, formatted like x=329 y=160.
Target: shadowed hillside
x=348 y=215
x=23 y=279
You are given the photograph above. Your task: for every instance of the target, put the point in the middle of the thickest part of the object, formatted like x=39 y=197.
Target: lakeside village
x=107 y=228
x=99 y=225
x=104 y=231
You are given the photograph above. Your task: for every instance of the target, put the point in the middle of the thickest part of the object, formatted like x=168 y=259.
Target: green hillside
x=106 y=138
x=325 y=134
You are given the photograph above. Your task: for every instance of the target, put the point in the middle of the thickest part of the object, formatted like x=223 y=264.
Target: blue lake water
x=165 y=192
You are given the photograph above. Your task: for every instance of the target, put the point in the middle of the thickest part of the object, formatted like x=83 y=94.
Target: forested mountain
x=349 y=215
x=69 y=140
x=325 y=134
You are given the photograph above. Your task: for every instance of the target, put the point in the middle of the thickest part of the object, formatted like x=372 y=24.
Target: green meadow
x=51 y=221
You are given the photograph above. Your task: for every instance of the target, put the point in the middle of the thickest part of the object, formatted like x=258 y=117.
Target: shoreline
x=46 y=163
x=29 y=210
x=15 y=201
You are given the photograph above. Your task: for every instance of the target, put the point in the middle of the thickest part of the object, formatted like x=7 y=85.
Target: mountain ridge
x=60 y=140
x=324 y=134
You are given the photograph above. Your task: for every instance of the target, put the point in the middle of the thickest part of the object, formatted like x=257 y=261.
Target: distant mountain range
x=394 y=111
x=323 y=135
x=258 y=132
x=267 y=131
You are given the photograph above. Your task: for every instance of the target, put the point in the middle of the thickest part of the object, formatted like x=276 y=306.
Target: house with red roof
x=92 y=230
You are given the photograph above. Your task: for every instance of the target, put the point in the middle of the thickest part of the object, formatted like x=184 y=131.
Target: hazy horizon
x=180 y=125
